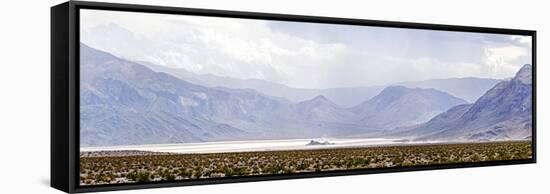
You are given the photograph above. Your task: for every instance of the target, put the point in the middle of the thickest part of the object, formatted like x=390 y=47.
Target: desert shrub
x=141 y=176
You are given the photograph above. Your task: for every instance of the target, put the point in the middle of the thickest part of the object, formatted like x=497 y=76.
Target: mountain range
x=469 y=88
x=128 y=103
x=504 y=112
x=398 y=106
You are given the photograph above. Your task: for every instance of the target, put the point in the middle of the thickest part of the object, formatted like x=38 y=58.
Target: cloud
x=504 y=61
x=304 y=55
x=525 y=40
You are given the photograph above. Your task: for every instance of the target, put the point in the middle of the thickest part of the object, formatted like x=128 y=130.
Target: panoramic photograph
x=167 y=97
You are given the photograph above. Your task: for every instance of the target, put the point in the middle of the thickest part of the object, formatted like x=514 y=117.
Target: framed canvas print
x=149 y=96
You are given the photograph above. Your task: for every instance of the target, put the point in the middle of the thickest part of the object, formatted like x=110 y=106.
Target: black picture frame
x=65 y=96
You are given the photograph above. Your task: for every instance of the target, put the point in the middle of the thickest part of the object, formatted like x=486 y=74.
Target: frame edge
x=59 y=129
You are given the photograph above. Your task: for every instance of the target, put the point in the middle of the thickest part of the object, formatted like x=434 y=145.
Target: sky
x=302 y=55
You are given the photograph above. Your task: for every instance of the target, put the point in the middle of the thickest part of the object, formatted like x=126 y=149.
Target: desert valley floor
x=116 y=166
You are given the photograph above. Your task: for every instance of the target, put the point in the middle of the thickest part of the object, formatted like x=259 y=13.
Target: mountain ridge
x=344 y=97
x=503 y=112
x=398 y=106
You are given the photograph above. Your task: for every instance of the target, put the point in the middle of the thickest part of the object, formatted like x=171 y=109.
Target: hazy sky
x=303 y=55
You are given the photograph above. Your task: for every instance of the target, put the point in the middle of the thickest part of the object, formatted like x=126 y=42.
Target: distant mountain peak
x=320 y=98
x=391 y=93
x=324 y=110
x=524 y=74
